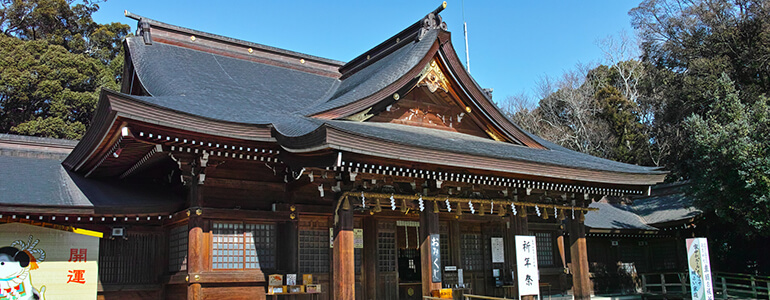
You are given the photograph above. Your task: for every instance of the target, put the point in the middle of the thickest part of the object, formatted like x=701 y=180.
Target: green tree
x=730 y=169
x=53 y=60
x=687 y=45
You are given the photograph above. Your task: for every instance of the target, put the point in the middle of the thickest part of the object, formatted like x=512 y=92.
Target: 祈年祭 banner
x=700 y=269
x=526 y=265
x=51 y=263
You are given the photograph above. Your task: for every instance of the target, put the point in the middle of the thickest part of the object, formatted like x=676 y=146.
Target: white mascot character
x=15 y=263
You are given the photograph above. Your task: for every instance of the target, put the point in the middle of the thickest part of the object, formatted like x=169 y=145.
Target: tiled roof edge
x=235 y=41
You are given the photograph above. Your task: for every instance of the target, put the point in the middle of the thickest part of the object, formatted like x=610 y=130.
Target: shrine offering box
x=307 y=279
x=296 y=289
x=275 y=280
x=313 y=288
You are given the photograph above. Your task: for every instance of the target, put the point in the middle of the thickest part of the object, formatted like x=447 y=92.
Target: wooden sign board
x=435 y=257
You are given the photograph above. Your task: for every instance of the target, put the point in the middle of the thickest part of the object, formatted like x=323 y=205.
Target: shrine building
x=221 y=162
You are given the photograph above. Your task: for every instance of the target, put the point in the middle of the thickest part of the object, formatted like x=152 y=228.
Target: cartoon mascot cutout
x=15 y=263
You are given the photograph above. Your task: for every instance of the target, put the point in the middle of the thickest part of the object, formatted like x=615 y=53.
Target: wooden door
x=387 y=274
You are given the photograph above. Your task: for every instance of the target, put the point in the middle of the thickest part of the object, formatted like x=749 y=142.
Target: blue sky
x=512 y=43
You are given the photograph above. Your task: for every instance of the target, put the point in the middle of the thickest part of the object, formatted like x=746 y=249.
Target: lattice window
x=633 y=254
x=358 y=255
x=386 y=250
x=663 y=256
x=472 y=245
x=131 y=260
x=177 y=249
x=313 y=251
x=444 y=244
x=544 y=243
x=243 y=246
x=261 y=249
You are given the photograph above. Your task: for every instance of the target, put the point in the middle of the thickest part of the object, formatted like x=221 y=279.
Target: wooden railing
x=741 y=286
x=726 y=286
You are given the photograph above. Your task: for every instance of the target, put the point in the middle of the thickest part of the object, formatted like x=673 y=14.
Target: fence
x=726 y=286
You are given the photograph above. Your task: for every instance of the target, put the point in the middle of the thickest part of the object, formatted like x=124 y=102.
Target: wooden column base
x=581 y=282
x=344 y=258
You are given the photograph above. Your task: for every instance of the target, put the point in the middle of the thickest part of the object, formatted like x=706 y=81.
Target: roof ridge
x=414 y=32
x=37 y=141
x=230 y=40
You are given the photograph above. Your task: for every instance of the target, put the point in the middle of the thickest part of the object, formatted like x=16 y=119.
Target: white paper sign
x=498 y=250
x=358 y=238
x=526 y=265
x=699 y=268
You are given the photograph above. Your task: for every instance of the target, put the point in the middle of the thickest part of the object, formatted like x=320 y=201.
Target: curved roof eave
x=408 y=144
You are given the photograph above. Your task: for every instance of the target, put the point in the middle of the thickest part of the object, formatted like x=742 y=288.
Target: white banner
x=526 y=265
x=699 y=268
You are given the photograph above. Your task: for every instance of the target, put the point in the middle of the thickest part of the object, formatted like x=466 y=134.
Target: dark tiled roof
x=673 y=205
x=468 y=144
x=221 y=87
x=232 y=40
x=378 y=75
x=667 y=204
x=610 y=216
x=32 y=180
x=234 y=90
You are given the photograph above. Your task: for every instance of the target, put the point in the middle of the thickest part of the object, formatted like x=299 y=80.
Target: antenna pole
x=465 y=33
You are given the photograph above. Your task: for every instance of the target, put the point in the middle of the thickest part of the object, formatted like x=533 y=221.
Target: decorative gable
x=434 y=102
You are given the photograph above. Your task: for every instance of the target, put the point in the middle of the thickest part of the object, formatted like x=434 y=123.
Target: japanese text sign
x=526 y=265
x=48 y=263
x=435 y=257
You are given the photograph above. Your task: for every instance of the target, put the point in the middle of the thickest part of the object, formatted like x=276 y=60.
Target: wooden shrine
x=221 y=161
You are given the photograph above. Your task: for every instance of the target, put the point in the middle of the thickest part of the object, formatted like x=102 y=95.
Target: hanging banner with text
x=699 y=268
x=435 y=256
x=45 y=263
x=526 y=265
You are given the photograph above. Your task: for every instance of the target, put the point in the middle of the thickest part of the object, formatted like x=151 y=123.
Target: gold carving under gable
x=434 y=78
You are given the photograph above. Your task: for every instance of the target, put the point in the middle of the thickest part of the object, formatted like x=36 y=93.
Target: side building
x=221 y=162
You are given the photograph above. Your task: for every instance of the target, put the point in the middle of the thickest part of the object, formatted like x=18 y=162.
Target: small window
x=472 y=251
x=313 y=251
x=177 y=249
x=238 y=246
x=544 y=243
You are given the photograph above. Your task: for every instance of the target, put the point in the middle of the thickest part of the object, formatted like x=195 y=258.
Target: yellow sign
x=48 y=263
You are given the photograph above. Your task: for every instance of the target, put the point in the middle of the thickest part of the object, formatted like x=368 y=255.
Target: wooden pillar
x=193 y=172
x=289 y=245
x=581 y=283
x=428 y=227
x=370 y=258
x=343 y=255
x=519 y=226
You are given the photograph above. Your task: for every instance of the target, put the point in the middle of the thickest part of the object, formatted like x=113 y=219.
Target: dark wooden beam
x=370 y=257
x=428 y=226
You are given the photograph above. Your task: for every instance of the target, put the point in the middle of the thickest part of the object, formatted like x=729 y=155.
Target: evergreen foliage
x=53 y=61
